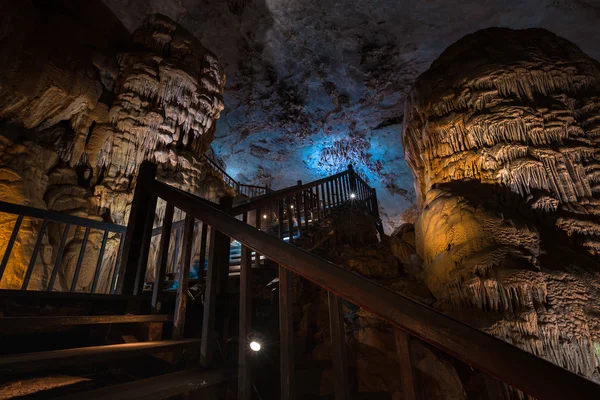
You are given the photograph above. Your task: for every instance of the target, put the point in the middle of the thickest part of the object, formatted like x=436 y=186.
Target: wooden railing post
x=210 y=297
x=299 y=208
x=9 y=246
x=375 y=210
x=216 y=281
x=182 y=281
x=244 y=367
x=132 y=247
x=352 y=179
x=338 y=347
x=223 y=242
x=407 y=374
x=163 y=259
x=286 y=335
x=286 y=324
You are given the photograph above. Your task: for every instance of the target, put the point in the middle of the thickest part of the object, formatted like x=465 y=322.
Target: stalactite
x=504 y=152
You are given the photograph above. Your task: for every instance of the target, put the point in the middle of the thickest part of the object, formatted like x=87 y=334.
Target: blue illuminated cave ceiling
x=313 y=85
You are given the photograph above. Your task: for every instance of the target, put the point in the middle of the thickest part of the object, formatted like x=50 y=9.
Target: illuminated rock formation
x=168 y=97
x=502 y=135
x=82 y=105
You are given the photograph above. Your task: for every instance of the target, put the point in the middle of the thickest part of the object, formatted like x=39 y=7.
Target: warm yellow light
x=291 y=206
x=265 y=216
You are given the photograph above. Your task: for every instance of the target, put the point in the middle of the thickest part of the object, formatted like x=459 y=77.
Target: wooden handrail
x=522 y=370
x=69 y=221
x=54 y=216
x=276 y=195
x=235 y=184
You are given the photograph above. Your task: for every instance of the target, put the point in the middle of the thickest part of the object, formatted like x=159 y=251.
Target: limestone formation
x=82 y=104
x=502 y=135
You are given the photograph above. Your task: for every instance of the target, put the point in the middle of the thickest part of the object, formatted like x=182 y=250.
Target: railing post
x=375 y=210
x=216 y=280
x=128 y=269
x=245 y=323
x=299 y=208
x=210 y=297
x=163 y=259
x=182 y=281
x=352 y=179
x=338 y=347
x=407 y=374
x=223 y=243
x=286 y=335
x=9 y=246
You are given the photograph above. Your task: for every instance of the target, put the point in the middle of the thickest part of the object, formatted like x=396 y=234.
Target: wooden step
x=74 y=296
x=160 y=387
x=45 y=360
x=12 y=325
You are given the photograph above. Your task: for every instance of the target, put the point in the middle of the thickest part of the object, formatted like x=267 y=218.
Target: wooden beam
x=54 y=216
x=98 y=264
x=158 y=387
x=58 y=260
x=12 y=325
x=407 y=374
x=244 y=367
x=223 y=243
x=163 y=259
x=202 y=258
x=86 y=234
x=132 y=246
x=286 y=335
x=210 y=298
x=480 y=350
x=46 y=360
x=142 y=262
x=338 y=347
x=184 y=273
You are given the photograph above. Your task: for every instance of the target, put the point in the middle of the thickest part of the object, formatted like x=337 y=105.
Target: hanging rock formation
x=168 y=97
x=82 y=104
x=502 y=135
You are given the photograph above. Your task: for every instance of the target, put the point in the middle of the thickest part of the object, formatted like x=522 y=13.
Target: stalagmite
x=79 y=117
x=502 y=136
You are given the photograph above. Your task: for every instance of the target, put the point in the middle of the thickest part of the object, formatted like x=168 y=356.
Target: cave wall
x=501 y=134
x=83 y=103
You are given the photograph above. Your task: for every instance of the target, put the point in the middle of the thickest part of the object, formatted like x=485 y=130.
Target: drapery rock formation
x=82 y=105
x=168 y=96
x=501 y=134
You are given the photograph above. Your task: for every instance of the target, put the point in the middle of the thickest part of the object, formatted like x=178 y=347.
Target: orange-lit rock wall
x=502 y=136
x=82 y=104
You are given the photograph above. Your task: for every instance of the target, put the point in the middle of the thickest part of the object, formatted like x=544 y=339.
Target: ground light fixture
x=255 y=346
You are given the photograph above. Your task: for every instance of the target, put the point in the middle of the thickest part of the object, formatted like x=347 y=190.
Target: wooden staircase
x=237 y=242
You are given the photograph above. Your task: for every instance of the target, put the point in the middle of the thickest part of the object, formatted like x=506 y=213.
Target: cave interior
x=266 y=199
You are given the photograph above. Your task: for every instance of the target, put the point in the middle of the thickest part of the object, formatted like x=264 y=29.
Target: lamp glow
x=265 y=216
x=352 y=196
x=292 y=206
x=255 y=346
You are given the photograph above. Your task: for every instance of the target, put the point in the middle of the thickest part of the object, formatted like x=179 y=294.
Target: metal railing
x=410 y=319
x=69 y=224
x=246 y=190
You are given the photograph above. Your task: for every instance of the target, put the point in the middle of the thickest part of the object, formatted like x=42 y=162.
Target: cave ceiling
x=312 y=84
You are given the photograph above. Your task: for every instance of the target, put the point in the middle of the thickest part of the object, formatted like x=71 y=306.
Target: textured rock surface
x=82 y=106
x=312 y=84
x=501 y=133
